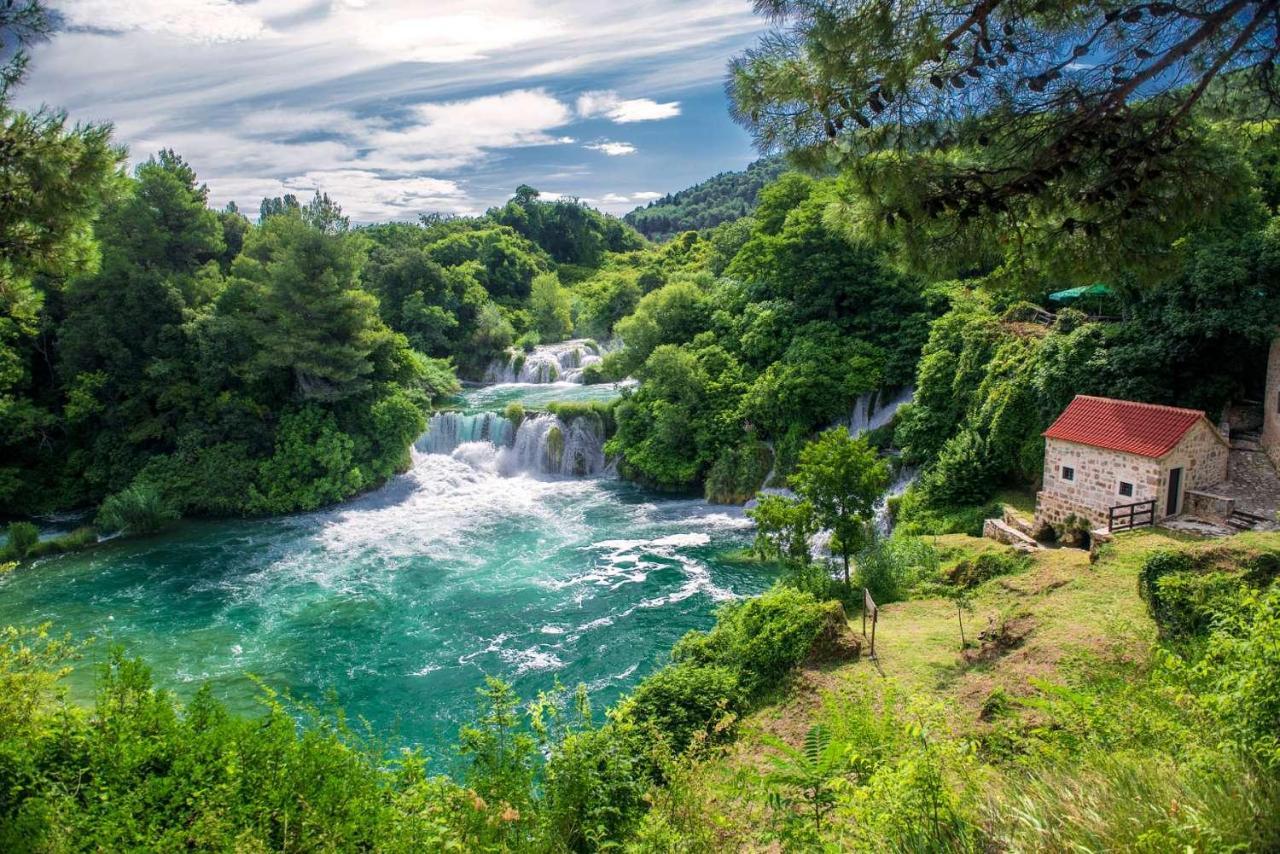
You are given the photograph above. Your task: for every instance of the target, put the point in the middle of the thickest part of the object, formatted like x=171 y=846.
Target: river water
x=476 y=561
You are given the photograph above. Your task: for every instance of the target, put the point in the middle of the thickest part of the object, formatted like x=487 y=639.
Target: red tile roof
x=1122 y=425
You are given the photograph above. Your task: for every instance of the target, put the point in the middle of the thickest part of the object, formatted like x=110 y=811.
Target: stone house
x=1103 y=453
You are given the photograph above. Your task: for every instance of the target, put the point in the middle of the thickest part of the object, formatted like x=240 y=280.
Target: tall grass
x=1136 y=802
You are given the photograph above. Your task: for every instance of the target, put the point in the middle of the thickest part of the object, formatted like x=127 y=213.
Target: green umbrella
x=1097 y=290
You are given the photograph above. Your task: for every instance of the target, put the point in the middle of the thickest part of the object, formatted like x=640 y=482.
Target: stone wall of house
x=1271 y=405
x=1204 y=457
x=1096 y=486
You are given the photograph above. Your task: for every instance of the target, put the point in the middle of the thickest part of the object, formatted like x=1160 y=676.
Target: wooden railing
x=1124 y=517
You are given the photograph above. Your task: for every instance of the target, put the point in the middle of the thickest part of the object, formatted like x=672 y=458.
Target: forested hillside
x=955 y=166
x=724 y=198
x=168 y=359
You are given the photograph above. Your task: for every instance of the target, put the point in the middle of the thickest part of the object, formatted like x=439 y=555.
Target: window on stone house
x=1068 y=473
x=1126 y=489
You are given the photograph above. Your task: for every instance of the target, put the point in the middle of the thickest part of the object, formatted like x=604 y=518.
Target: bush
x=515 y=414
x=971 y=572
x=1239 y=677
x=528 y=341
x=738 y=473
x=915 y=515
x=138 y=509
x=890 y=566
x=73 y=541
x=686 y=700
x=594 y=787
x=762 y=638
x=598 y=411
x=23 y=536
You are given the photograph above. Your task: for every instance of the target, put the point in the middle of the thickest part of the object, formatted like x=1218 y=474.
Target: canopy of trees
x=1031 y=137
x=726 y=197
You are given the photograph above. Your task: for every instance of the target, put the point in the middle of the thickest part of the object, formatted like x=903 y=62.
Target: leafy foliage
x=725 y=198
x=1062 y=138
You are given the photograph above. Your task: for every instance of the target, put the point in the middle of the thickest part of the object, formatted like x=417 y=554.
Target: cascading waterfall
x=871 y=411
x=547 y=363
x=546 y=444
x=447 y=430
x=542 y=445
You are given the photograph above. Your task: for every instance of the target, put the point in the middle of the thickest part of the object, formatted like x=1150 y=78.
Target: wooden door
x=1175 y=492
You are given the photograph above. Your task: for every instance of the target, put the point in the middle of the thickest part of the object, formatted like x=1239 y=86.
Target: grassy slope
x=1065 y=607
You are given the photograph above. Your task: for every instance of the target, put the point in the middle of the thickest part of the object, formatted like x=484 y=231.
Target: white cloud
x=624 y=110
x=257 y=93
x=646 y=196
x=188 y=20
x=613 y=149
x=452 y=134
x=447 y=38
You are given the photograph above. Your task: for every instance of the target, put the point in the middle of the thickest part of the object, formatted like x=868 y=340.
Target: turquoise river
x=486 y=557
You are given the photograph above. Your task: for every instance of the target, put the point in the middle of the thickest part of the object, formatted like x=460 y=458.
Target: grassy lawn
x=1061 y=609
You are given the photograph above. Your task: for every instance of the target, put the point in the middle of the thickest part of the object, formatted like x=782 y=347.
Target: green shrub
x=1188 y=603
x=597 y=410
x=914 y=514
x=890 y=566
x=761 y=638
x=594 y=374
x=739 y=472
x=138 y=509
x=528 y=341
x=594 y=787
x=23 y=537
x=686 y=700
x=971 y=572
x=1238 y=677
x=514 y=413
x=72 y=541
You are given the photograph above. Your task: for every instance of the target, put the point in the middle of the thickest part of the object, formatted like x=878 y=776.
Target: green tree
x=841 y=478
x=552 y=308
x=312 y=318
x=784 y=528
x=1028 y=135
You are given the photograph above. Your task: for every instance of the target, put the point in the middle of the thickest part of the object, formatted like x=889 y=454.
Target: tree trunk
x=960 y=617
x=845 y=556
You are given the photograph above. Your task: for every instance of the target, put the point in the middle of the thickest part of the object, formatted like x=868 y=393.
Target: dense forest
x=723 y=198
x=160 y=358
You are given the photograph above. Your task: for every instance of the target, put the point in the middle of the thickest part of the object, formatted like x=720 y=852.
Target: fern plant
x=803 y=782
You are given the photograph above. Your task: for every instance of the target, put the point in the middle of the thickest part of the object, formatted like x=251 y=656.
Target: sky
x=397 y=108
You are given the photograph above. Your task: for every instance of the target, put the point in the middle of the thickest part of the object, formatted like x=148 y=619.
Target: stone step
x=1002 y=532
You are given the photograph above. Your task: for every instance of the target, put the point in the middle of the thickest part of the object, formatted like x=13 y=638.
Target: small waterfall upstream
x=547 y=363
x=542 y=445
x=874 y=409
x=447 y=430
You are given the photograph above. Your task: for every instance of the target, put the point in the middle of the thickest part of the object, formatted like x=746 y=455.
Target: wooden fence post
x=869 y=606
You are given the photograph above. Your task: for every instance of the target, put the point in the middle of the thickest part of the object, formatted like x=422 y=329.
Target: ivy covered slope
x=724 y=198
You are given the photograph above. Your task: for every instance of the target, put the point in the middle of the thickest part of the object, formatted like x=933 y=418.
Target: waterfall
x=545 y=444
x=542 y=445
x=547 y=363
x=447 y=430
x=871 y=411
x=905 y=476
